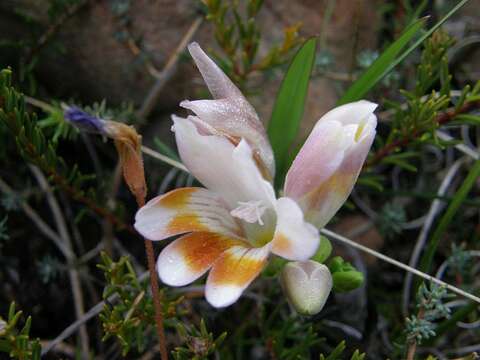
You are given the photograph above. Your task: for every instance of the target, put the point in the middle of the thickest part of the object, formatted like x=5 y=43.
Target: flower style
x=232 y=225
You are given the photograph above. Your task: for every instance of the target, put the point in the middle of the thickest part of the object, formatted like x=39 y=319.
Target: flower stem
x=157 y=305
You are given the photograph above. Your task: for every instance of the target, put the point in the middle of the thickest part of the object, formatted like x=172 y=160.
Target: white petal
x=218 y=83
x=185 y=210
x=220 y=166
x=230 y=114
x=233 y=272
x=190 y=256
x=351 y=113
x=294 y=239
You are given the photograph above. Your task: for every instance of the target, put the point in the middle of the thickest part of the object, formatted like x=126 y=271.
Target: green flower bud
x=306 y=285
x=347 y=281
x=345 y=276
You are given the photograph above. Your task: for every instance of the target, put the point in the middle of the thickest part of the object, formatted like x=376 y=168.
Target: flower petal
x=231 y=274
x=230 y=114
x=351 y=113
x=321 y=204
x=294 y=239
x=227 y=170
x=317 y=160
x=190 y=256
x=185 y=210
x=218 y=83
x=326 y=168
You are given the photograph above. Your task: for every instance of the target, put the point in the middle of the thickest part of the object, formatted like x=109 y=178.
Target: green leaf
x=324 y=250
x=458 y=199
x=336 y=353
x=289 y=105
x=390 y=58
x=382 y=66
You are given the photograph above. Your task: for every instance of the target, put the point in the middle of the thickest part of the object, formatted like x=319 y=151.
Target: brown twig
x=167 y=71
x=441 y=119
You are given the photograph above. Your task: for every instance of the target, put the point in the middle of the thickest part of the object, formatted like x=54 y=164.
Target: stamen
x=250 y=211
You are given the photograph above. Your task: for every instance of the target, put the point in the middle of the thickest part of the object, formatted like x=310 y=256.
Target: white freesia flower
x=235 y=222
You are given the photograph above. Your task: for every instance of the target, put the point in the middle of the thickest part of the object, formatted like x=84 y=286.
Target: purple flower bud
x=83 y=120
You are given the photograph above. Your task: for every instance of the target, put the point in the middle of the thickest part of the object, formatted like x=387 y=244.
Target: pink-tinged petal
x=321 y=204
x=189 y=257
x=222 y=167
x=185 y=210
x=230 y=114
x=294 y=239
x=327 y=167
x=319 y=158
x=231 y=274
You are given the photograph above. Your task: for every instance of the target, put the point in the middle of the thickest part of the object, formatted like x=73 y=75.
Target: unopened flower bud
x=129 y=147
x=127 y=141
x=307 y=285
x=82 y=120
x=345 y=276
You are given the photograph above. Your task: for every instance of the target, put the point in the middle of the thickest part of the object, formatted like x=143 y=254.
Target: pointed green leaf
x=392 y=56
x=289 y=105
x=382 y=66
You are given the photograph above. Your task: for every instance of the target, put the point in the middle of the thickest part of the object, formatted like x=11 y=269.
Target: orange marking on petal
x=185 y=223
x=281 y=243
x=177 y=199
x=338 y=183
x=234 y=270
x=201 y=249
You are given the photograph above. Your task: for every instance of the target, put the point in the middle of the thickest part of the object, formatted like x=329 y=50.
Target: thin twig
x=72 y=271
x=167 y=71
x=44 y=228
x=155 y=154
x=94 y=311
x=399 y=264
x=435 y=208
x=460 y=147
